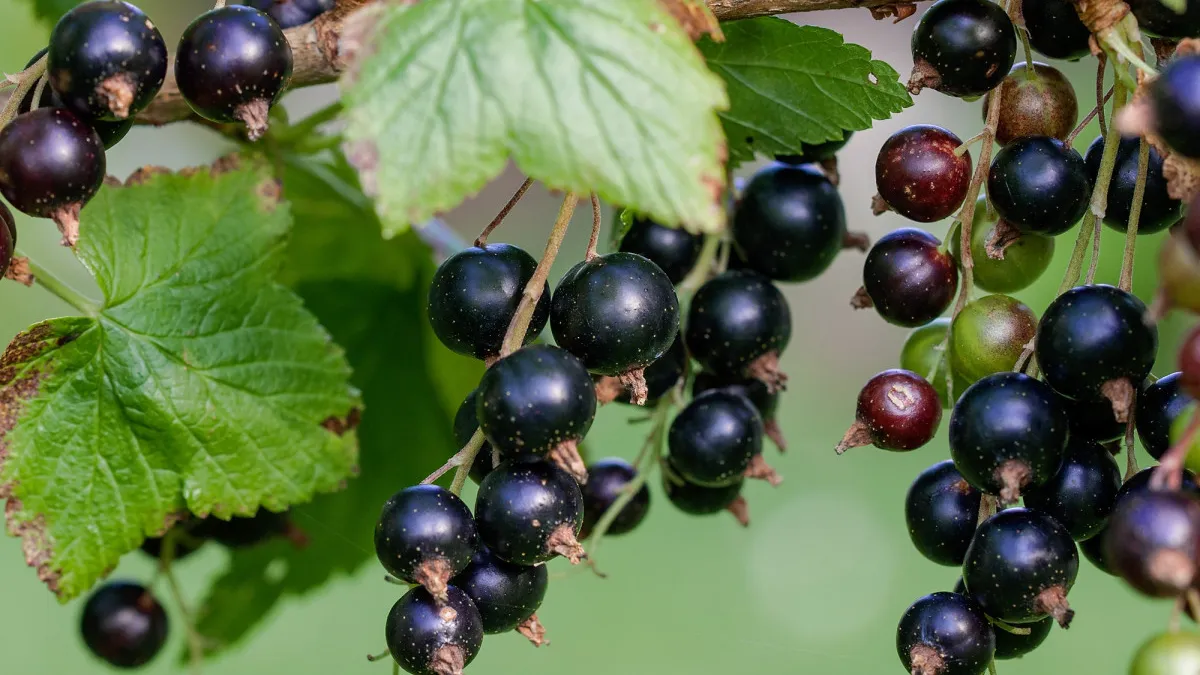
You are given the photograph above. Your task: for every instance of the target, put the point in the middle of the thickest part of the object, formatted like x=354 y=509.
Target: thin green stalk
x=1139 y=193
x=42 y=277
x=704 y=263
x=29 y=79
x=194 y=639
x=515 y=336
x=310 y=124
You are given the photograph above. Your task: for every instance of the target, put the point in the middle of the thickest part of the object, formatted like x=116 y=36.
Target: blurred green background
x=815 y=585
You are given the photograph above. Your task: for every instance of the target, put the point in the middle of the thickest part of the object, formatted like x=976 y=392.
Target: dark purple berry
x=919 y=175
x=909 y=278
x=941 y=510
x=662 y=376
x=756 y=391
x=292 y=13
x=1055 y=29
x=1039 y=185
x=1158 y=406
x=1093 y=420
x=1081 y=496
x=427 y=636
x=945 y=634
x=528 y=511
x=816 y=152
x=1175 y=101
x=244 y=532
x=184 y=545
x=1159 y=210
x=673 y=249
x=465 y=424
x=962 y=48
x=110 y=132
x=697 y=500
x=1153 y=540
x=1092 y=548
x=505 y=594
x=1011 y=645
x=607 y=481
x=123 y=624
x=737 y=326
x=1156 y=18
x=425 y=535
x=897 y=410
x=716 y=439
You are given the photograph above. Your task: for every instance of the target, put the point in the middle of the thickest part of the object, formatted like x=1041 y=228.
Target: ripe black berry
x=790 y=223
x=1020 y=567
x=1175 y=99
x=106 y=60
x=110 y=132
x=465 y=424
x=292 y=13
x=897 y=410
x=1081 y=496
x=8 y=238
x=432 y=637
x=923 y=353
x=1093 y=420
x=1157 y=408
x=425 y=535
x=1055 y=29
x=1157 y=19
x=474 y=294
x=1159 y=210
x=737 y=326
x=1035 y=101
x=607 y=480
x=1008 y=431
x=239 y=532
x=51 y=164
x=755 y=391
x=1092 y=548
x=1026 y=257
x=819 y=152
x=528 y=511
x=1093 y=342
x=506 y=595
x=962 y=48
x=717 y=440
x=1038 y=184
x=185 y=543
x=698 y=500
x=1011 y=645
x=123 y=624
x=232 y=64
x=1153 y=540
x=673 y=249
x=941 y=510
x=908 y=277
x=945 y=634
x=919 y=176
x=539 y=400
x=661 y=376
x=989 y=336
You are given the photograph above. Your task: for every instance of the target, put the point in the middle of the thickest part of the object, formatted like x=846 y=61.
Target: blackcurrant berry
x=1035 y=101
x=819 y=152
x=1010 y=645
x=1020 y=567
x=697 y=500
x=945 y=634
x=1081 y=496
x=539 y=400
x=1167 y=654
x=941 y=510
x=1159 y=210
x=425 y=535
x=238 y=532
x=474 y=294
x=618 y=313
x=465 y=423
x=1055 y=29
x=662 y=376
x=1152 y=541
x=962 y=48
x=607 y=480
x=292 y=13
x=123 y=624
x=789 y=223
x=1008 y=431
x=1093 y=342
x=924 y=352
x=737 y=326
x=897 y=410
x=919 y=175
x=427 y=636
x=989 y=335
x=908 y=278
x=1158 y=406
x=106 y=60
x=1039 y=185
x=232 y=64
x=1092 y=548
x=1157 y=19
x=1093 y=420
x=717 y=440
x=528 y=511
x=673 y=249
x=51 y=164
x=1026 y=255
x=1175 y=100
x=110 y=132
x=185 y=542
x=505 y=594
x=755 y=391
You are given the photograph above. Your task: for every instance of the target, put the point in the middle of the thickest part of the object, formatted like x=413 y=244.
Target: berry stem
x=58 y=287
x=194 y=639
x=1094 y=262
x=1118 y=39
x=301 y=131
x=1169 y=473
x=481 y=240
x=704 y=266
x=372 y=658
x=28 y=79
x=594 y=242
x=1139 y=193
x=1131 y=463
x=1023 y=33
x=515 y=337
x=992 y=667
x=1101 y=66
x=38 y=91
x=1101 y=99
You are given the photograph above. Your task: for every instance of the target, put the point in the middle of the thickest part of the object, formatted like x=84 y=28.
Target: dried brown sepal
x=608 y=389
x=18 y=271
x=879 y=205
x=1120 y=393
x=900 y=10
x=563 y=542
x=448 y=660
x=1013 y=475
x=256 y=116
x=857 y=436
x=924 y=76
x=1003 y=235
x=760 y=470
x=1173 y=569
x=766 y=369
x=695 y=17
x=926 y=660
x=830 y=168
x=635 y=382
x=1164 y=48
x=861 y=299
x=117 y=92
x=533 y=630
x=740 y=510
x=857 y=240
x=67 y=219
x=435 y=575
x=1053 y=601
x=566 y=456
x=1100 y=16
x=775 y=433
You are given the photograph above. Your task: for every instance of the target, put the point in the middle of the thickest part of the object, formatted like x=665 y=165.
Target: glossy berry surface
x=1055 y=29
x=697 y=500
x=50 y=160
x=465 y=424
x=528 y=511
x=292 y=13
x=819 y=152
x=789 y=224
x=1168 y=653
x=963 y=47
x=616 y=312
x=232 y=64
x=1014 y=646
x=941 y=510
x=1024 y=261
x=673 y=249
x=1039 y=185
x=1092 y=335
x=423 y=633
x=1159 y=20
x=897 y=410
x=123 y=624
x=425 y=535
x=1159 y=210
x=238 y=532
x=922 y=354
x=909 y=279
x=1175 y=100
x=1152 y=541
x=534 y=400
x=1081 y=496
x=945 y=633
x=1020 y=567
x=8 y=238
x=663 y=375
x=712 y=441
x=755 y=391
x=1092 y=548
x=106 y=60
x=505 y=594
x=110 y=132
x=1093 y=420
x=736 y=319
x=1158 y=406
x=1035 y=100
x=1008 y=431
x=607 y=480
x=474 y=294
x=989 y=335
x=919 y=176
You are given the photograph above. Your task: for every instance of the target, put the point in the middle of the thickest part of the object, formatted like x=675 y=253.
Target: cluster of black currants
x=105 y=63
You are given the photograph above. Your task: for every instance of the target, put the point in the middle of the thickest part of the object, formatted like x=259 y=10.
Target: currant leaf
x=49 y=11
x=585 y=95
x=200 y=384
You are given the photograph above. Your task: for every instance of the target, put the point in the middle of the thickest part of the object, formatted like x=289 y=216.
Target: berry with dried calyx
x=607 y=481
x=431 y=637
x=908 y=278
x=673 y=249
x=1039 y=185
x=941 y=510
x=529 y=511
x=505 y=594
x=1006 y=260
x=1035 y=101
x=1152 y=541
x=717 y=441
x=945 y=634
x=738 y=324
x=919 y=175
x=897 y=410
x=1081 y=496
x=426 y=535
x=697 y=500
x=962 y=48
x=989 y=335
x=123 y=624
x=1175 y=101
x=755 y=391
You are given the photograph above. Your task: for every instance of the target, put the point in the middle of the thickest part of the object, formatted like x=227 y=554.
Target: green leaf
x=790 y=85
x=1177 y=6
x=51 y=10
x=200 y=385
x=373 y=296
x=606 y=96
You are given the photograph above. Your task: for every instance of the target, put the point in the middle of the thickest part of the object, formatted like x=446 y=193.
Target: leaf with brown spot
x=696 y=17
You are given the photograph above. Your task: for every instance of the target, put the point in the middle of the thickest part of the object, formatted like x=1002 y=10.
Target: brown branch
x=730 y=10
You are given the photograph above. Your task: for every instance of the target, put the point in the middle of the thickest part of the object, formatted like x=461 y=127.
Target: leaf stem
x=301 y=130
x=515 y=337
x=1135 y=213
x=704 y=264
x=1030 y=72
x=594 y=242
x=44 y=278
x=481 y=240
x=194 y=639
